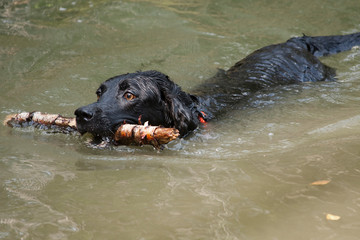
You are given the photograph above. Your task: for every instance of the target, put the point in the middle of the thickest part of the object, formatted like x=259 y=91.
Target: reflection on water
x=245 y=175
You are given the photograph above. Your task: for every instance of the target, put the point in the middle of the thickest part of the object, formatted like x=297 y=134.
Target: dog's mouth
x=101 y=129
x=122 y=122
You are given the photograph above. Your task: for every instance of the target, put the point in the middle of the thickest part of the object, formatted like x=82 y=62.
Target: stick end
x=8 y=119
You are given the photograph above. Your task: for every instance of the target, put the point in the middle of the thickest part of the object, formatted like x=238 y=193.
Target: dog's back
x=291 y=62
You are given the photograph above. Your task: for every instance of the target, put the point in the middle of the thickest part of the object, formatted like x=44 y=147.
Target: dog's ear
x=180 y=111
x=179 y=106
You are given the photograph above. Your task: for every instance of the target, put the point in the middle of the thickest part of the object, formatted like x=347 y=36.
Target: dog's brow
x=101 y=89
x=124 y=85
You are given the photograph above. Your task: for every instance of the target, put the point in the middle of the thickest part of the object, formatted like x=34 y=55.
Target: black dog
x=152 y=96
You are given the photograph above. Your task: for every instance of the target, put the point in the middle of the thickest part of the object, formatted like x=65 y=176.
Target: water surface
x=243 y=176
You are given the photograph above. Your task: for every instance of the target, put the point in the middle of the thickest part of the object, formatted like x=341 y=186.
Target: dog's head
x=136 y=98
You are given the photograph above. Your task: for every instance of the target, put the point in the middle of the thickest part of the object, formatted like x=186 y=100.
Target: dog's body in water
x=152 y=97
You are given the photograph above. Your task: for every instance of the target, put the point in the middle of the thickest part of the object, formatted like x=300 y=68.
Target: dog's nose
x=84 y=114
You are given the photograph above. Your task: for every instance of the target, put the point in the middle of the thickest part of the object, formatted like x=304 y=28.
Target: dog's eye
x=129 y=96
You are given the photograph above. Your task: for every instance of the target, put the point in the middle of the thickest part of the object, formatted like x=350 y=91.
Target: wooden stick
x=144 y=134
x=42 y=119
x=126 y=134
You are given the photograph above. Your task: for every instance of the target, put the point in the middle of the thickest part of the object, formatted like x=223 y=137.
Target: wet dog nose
x=84 y=114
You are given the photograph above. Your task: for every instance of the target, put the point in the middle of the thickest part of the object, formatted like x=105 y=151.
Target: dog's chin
x=98 y=133
x=81 y=129
x=103 y=132
x=109 y=132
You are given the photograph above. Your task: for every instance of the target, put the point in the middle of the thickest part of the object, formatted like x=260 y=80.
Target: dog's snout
x=89 y=119
x=84 y=114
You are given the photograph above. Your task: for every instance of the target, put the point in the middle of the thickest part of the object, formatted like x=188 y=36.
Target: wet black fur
x=162 y=102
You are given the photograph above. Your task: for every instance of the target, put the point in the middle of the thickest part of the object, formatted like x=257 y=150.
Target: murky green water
x=245 y=176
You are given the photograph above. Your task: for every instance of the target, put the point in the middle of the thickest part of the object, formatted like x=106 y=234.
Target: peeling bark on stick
x=49 y=120
x=127 y=134
x=144 y=134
